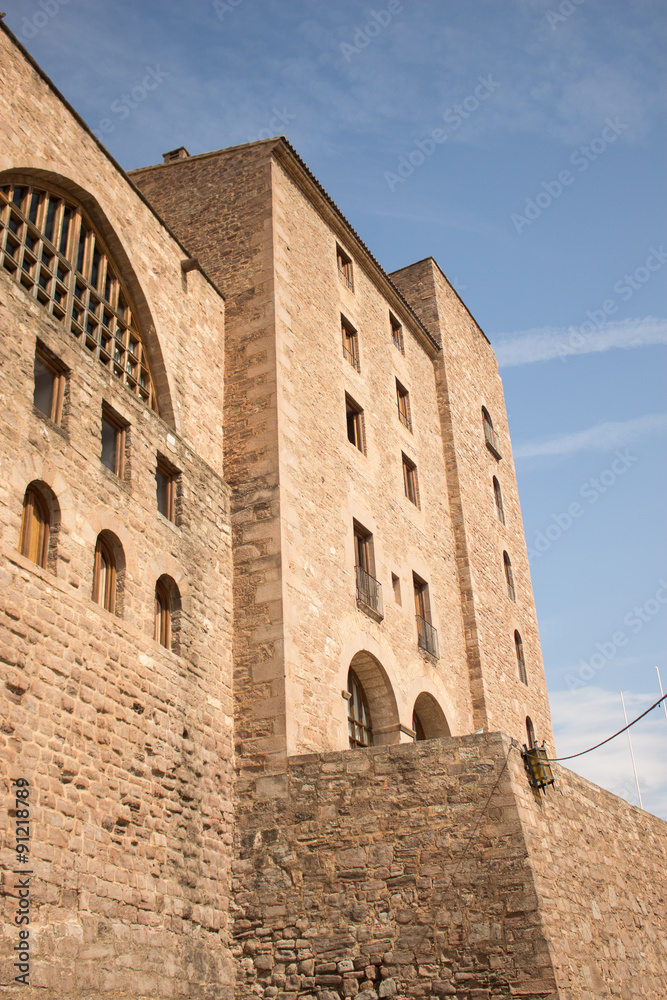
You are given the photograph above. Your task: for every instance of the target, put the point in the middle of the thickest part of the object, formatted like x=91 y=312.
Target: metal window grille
x=427 y=637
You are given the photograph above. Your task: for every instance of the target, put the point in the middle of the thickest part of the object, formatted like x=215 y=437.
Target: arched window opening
x=359 y=718
x=48 y=244
x=104 y=575
x=530 y=733
x=167 y=614
x=500 y=510
x=428 y=719
x=489 y=434
x=509 y=577
x=35 y=528
x=520 y=659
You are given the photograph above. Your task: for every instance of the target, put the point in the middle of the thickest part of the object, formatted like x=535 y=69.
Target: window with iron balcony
x=369 y=590
x=403 y=404
x=345 y=268
x=427 y=636
x=350 y=344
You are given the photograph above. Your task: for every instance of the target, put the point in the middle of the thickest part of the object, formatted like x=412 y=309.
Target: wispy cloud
x=589 y=715
x=602 y=437
x=548 y=342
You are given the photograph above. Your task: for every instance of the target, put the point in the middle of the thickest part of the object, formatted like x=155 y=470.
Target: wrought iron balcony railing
x=351 y=357
x=369 y=591
x=427 y=637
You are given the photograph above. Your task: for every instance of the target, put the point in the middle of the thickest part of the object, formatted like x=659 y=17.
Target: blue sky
x=543 y=200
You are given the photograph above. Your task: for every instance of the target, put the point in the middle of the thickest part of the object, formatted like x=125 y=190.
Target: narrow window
x=359 y=718
x=34 y=543
x=350 y=344
x=410 y=481
x=49 y=387
x=521 y=662
x=113 y=443
x=427 y=636
x=500 y=510
x=166 y=481
x=396 y=585
x=345 y=268
x=403 y=404
x=489 y=434
x=396 y=333
x=530 y=732
x=162 y=616
x=509 y=577
x=104 y=576
x=369 y=590
x=355 y=423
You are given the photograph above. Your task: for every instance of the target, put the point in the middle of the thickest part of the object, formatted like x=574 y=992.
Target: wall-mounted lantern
x=538 y=768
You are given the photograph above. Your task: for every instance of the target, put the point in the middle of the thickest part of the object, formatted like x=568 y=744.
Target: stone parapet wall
x=433 y=870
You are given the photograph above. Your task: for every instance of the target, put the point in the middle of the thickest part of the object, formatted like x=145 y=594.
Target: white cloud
x=548 y=342
x=589 y=715
x=602 y=437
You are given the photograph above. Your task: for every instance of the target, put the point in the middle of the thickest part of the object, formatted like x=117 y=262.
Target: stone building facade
x=268 y=640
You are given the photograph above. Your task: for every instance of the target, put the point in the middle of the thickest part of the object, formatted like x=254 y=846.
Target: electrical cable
x=581 y=754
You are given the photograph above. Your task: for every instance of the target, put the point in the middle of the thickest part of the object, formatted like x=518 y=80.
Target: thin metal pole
x=632 y=756
x=664 y=704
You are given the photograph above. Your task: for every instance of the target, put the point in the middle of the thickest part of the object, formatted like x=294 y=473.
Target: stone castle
x=268 y=640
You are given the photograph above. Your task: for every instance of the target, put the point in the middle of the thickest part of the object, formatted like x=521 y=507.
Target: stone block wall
x=468 y=379
x=433 y=870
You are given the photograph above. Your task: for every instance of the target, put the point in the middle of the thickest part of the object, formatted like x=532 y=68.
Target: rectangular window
x=369 y=590
x=49 y=387
x=427 y=636
x=403 y=403
x=350 y=344
x=355 y=423
x=345 y=268
x=396 y=333
x=114 y=436
x=410 y=481
x=166 y=481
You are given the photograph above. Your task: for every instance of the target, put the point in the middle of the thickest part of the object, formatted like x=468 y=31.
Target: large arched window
x=359 y=719
x=489 y=434
x=50 y=246
x=34 y=543
x=104 y=575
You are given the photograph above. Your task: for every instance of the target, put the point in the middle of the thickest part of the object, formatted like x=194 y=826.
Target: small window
x=403 y=404
x=489 y=434
x=427 y=636
x=396 y=333
x=104 y=576
x=410 y=484
x=355 y=424
x=369 y=590
x=509 y=577
x=166 y=481
x=34 y=542
x=162 y=616
x=359 y=718
x=350 y=344
x=49 y=387
x=114 y=433
x=396 y=585
x=530 y=732
x=500 y=510
x=345 y=268
x=521 y=662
